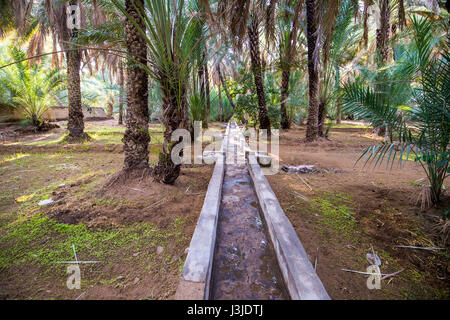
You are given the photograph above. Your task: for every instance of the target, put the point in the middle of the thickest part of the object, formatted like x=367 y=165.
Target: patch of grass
x=334 y=211
x=43 y=241
x=13 y=157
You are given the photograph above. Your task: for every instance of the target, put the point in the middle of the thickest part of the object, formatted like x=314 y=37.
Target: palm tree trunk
x=312 y=126
x=288 y=55
x=285 y=124
x=136 y=137
x=382 y=51
x=207 y=91
x=201 y=79
x=338 y=102
x=220 y=103
x=253 y=37
x=401 y=14
x=383 y=34
x=121 y=84
x=365 y=36
x=75 y=123
x=321 y=119
x=174 y=117
x=339 y=113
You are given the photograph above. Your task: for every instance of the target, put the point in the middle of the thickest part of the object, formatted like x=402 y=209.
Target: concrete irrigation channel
x=244 y=247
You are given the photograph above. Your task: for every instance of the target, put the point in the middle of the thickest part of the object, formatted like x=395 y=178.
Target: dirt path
x=245 y=265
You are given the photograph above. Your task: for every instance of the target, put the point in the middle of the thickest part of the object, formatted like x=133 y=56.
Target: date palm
x=31 y=89
x=49 y=17
x=413 y=104
x=171 y=37
x=288 y=52
x=312 y=125
x=243 y=20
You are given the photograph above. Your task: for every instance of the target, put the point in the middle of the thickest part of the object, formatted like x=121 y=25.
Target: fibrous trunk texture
x=312 y=126
x=174 y=117
x=285 y=124
x=75 y=123
x=136 y=137
x=121 y=84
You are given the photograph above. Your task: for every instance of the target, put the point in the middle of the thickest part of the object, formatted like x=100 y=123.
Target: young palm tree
x=413 y=104
x=31 y=89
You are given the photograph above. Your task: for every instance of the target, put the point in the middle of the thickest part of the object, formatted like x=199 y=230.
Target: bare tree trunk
x=339 y=113
x=201 y=80
x=121 y=84
x=136 y=138
x=312 y=126
x=401 y=14
x=383 y=34
x=253 y=37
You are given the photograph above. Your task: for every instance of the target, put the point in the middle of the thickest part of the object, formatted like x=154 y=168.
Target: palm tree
x=288 y=50
x=242 y=20
x=171 y=38
x=312 y=126
x=340 y=47
x=256 y=66
x=413 y=104
x=30 y=88
x=136 y=137
x=75 y=123
x=50 y=18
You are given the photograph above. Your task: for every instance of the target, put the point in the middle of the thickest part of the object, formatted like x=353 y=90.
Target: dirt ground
x=344 y=211
x=138 y=231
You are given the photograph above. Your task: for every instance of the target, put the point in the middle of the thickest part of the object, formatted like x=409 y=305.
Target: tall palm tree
x=312 y=126
x=136 y=137
x=242 y=20
x=288 y=50
x=51 y=18
x=75 y=123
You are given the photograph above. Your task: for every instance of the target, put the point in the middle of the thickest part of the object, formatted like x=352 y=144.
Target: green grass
x=334 y=212
x=43 y=241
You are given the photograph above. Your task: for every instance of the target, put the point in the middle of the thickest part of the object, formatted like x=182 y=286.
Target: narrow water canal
x=244 y=266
